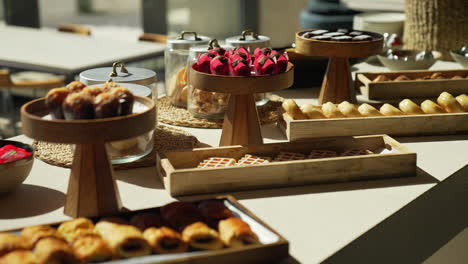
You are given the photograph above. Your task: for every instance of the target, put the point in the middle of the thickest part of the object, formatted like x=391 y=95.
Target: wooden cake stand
x=92 y=190
x=241 y=124
x=337 y=85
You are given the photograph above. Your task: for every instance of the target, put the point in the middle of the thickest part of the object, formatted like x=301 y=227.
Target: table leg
x=337 y=85
x=241 y=123
x=92 y=189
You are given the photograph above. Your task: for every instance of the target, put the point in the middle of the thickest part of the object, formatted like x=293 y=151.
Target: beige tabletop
x=64 y=53
x=318 y=220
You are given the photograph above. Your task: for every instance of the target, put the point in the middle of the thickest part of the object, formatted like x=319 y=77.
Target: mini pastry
x=164 y=240
x=264 y=65
x=312 y=112
x=437 y=75
x=214 y=210
x=449 y=103
x=258 y=52
x=54 y=100
x=35 y=233
x=381 y=78
x=76 y=86
x=91 y=248
x=348 y=109
x=93 y=91
x=125 y=241
x=410 y=108
x=356 y=152
x=322 y=153
x=53 y=250
x=463 y=101
x=180 y=214
x=331 y=111
x=19 y=257
x=203 y=62
x=368 y=110
x=218 y=51
x=106 y=105
x=240 y=67
x=430 y=107
x=199 y=236
x=402 y=78
x=248 y=160
x=72 y=229
x=143 y=221
x=219 y=65
x=288 y=156
x=236 y=233
x=281 y=61
x=290 y=106
x=217 y=162
x=457 y=77
x=126 y=100
x=78 y=106
x=390 y=110
x=10 y=242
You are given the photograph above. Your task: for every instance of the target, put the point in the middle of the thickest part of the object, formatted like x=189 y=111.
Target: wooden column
x=337 y=85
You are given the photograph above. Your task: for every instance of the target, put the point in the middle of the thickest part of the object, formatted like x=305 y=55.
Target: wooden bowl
x=242 y=84
x=339 y=49
x=14 y=173
x=85 y=131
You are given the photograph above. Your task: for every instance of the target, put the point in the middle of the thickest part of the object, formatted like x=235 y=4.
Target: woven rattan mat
x=166 y=139
x=173 y=115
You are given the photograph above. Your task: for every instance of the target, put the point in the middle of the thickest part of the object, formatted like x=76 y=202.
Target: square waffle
x=322 y=153
x=288 y=156
x=217 y=162
x=356 y=152
x=248 y=160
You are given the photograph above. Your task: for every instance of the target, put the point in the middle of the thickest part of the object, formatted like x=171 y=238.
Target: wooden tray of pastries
x=443 y=116
x=322 y=160
x=208 y=231
x=411 y=84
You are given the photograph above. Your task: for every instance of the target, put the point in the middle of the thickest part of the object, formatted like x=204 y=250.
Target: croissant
x=19 y=257
x=165 y=240
x=91 y=248
x=72 y=229
x=200 y=236
x=10 y=242
x=52 y=250
x=236 y=233
x=35 y=233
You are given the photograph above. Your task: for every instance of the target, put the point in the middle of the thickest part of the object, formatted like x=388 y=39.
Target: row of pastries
x=177 y=227
x=446 y=103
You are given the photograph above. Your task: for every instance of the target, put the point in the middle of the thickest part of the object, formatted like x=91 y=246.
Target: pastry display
x=91 y=248
x=77 y=101
x=348 y=109
x=165 y=240
x=72 y=229
x=252 y=160
x=11 y=242
x=368 y=110
x=322 y=153
x=330 y=110
x=290 y=106
x=449 y=103
x=33 y=234
x=236 y=233
x=312 y=112
x=200 y=236
x=463 y=101
x=217 y=162
x=343 y=34
x=433 y=76
x=19 y=257
x=288 y=156
x=53 y=250
x=409 y=107
x=390 y=110
x=429 y=107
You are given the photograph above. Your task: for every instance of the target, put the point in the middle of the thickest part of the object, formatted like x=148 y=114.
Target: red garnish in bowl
x=11 y=153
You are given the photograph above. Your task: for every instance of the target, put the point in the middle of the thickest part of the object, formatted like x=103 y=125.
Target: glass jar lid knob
x=247 y=32
x=213 y=44
x=183 y=33
x=114 y=68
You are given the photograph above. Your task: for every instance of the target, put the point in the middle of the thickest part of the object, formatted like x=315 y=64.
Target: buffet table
x=333 y=222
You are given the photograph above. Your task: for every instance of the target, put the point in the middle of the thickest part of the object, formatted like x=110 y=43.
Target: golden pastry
x=76 y=86
x=54 y=100
x=19 y=257
x=437 y=75
x=143 y=221
x=368 y=110
x=348 y=109
x=457 y=77
x=72 y=229
x=91 y=248
x=463 y=101
x=35 y=233
x=410 y=108
x=200 y=236
x=312 y=112
x=430 y=107
x=51 y=250
x=125 y=241
x=381 y=78
x=290 y=106
x=402 y=78
x=449 y=103
x=165 y=240
x=180 y=214
x=331 y=111
x=236 y=233
x=10 y=242
x=390 y=110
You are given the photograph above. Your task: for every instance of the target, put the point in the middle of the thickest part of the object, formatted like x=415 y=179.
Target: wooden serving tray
x=396 y=90
x=406 y=125
x=275 y=248
x=183 y=178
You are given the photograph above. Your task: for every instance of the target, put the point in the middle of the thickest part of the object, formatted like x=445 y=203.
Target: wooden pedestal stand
x=337 y=85
x=92 y=189
x=241 y=124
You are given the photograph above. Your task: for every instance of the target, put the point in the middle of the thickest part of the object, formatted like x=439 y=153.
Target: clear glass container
x=140 y=82
x=203 y=104
x=250 y=40
x=175 y=59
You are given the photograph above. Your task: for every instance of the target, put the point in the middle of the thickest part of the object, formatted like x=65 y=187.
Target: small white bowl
x=462 y=60
x=402 y=65
x=13 y=174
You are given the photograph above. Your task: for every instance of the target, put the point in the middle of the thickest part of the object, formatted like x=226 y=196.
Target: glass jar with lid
x=175 y=58
x=141 y=82
x=203 y=104
x=250 y=40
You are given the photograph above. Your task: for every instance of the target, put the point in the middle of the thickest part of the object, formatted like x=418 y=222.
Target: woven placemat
x=178 y=116
x=166 y=139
